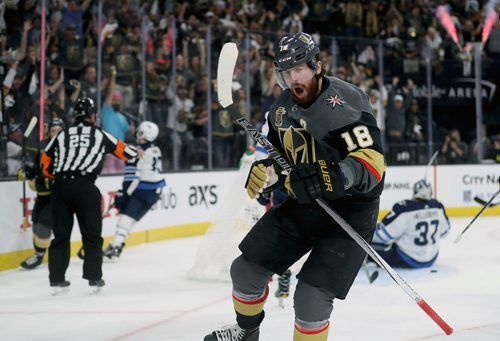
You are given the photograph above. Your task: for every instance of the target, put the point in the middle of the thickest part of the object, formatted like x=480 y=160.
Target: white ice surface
x=147 y=297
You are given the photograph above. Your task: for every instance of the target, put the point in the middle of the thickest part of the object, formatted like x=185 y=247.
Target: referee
x=73 y=159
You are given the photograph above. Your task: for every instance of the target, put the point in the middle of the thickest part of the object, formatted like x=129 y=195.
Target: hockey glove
x=262 y=178
x=311 y=181
x=25 y=173
x=120 y=199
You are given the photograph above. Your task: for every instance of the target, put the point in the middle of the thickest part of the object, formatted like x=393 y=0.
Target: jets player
x=141 y=188
x=326 y=129
x=409 y=235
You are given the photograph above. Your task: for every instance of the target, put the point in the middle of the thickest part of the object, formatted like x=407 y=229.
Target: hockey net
x=219 y=245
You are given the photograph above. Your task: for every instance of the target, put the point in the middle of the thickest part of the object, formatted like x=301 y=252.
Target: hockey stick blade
x=484 y=202
x=373 y=277
x=227 y=61
x=30 y=127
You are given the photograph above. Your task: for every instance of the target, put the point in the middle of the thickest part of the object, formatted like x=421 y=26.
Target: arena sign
x=457 y=91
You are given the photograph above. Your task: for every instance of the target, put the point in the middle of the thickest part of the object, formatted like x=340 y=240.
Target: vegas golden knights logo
x=298 y=144
x=279 y=116
x=224 y=119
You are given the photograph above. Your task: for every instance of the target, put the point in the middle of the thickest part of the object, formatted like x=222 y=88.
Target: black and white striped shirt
x=80 y=150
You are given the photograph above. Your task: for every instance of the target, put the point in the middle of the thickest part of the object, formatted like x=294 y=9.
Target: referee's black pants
x=77 y=195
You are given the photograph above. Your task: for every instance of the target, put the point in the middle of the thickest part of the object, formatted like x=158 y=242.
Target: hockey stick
x=431 y=161
x=27 y=133
x=227 y=61
x=478 y=214
x=371 y=277
x=484 y=202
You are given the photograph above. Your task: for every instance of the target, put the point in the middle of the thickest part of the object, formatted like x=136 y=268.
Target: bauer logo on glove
x=311 y=181
x=327 y=181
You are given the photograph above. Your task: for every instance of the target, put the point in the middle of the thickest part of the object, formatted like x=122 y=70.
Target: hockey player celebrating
x=409 y=235
x=326 y=129
x=141 y=188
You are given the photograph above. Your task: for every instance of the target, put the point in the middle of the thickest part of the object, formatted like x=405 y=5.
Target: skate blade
x=58 y=291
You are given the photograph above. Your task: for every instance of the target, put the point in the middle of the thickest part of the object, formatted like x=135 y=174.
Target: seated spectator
x=415 y=125
x=474 y=147
x=454 y=149
x=494 y=152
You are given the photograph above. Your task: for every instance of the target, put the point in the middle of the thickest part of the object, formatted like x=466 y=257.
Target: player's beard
x=305 y=94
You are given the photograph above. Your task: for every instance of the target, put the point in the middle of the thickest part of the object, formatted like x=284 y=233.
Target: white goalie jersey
x=415 y=226
x=144 y=173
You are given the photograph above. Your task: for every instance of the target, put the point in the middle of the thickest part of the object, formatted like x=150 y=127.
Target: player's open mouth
x=298 y=91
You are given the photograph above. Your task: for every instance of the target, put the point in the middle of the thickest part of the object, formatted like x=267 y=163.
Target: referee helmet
x=84 y=107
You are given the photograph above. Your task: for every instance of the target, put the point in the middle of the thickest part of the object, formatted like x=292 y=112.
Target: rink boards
x=191 y=200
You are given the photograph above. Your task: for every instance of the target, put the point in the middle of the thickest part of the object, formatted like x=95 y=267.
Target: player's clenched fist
x=310 y=181
x=262 y=176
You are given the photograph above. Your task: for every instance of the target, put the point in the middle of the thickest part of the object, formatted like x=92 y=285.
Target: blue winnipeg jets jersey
x=416 y=227
x=144 y=173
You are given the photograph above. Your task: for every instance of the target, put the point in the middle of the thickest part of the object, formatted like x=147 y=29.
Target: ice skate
x=97 y=285
x=59 y=288
x=283 y=290
x=113 y=252
x=33 y=261
x=233 y=333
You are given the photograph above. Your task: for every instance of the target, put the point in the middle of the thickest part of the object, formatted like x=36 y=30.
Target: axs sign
x=202 y=195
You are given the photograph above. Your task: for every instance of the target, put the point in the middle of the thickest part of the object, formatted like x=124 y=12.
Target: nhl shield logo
x=279 y=116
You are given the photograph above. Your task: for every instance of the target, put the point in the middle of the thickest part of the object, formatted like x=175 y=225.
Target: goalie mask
x=292 y=51
x=422 y=190
x=147 y=130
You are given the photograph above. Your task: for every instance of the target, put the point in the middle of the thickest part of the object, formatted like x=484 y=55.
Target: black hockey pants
x=76 y=195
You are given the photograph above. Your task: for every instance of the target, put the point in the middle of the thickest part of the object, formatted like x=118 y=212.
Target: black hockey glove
x=311 y=181
x=261 y=179
x=26 y=173
x=120 y=200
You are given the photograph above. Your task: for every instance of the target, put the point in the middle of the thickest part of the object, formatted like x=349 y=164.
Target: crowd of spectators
x=157 y=65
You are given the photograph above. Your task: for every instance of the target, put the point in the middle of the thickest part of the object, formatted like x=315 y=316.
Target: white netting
x=237 y=215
